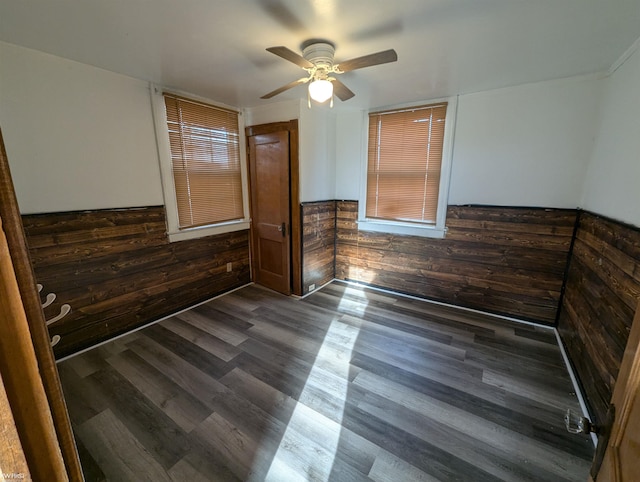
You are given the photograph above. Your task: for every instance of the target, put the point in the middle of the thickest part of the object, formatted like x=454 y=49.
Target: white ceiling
x=216 y=48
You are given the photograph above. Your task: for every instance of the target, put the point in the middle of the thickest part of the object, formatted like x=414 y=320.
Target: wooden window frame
x=174 y=231
x=425 y=229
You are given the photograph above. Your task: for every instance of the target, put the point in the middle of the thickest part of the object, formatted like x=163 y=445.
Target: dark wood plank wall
x=346 y=238
x=318 y=243
x=117 y=270
x=601 y=295
x=509 y=261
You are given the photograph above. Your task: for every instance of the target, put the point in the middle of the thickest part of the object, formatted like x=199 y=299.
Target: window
x=407 y=170
x=205 y=156
x=201 y=148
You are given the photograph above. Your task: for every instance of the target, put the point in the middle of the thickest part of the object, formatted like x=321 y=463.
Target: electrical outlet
x=312 y=287
x=229 y=268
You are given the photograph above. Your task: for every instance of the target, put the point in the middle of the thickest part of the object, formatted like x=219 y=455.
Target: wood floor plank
x=497 y=413
x=348 y=383
x=184 y=409
x=207 y=461
x=87 y=363
x=151 y=426
x=232 y=317
x=358 y=451
x=423 y=455
x=445 y=319
x=184 y=470
x=380 y=316
x=240 y=452
x=319 y=385
x=82 y=404
x=516 y=345
x=302 y=458
x=522 y=449
x=263 y=395
x=336 y=345
x=202 y=339
x=120 y=455
x=530 y=389
x=212 y=326
x=190 y=378
x=197 y=468
x=389 y=468
x=460 y=444
x=189 y=352
x=441 y=346
x=435 y=377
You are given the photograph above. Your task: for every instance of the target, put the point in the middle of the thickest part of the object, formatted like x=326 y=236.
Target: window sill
x=402 y=228
x=202 y=231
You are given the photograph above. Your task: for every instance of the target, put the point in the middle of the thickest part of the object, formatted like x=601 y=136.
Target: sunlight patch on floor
x=309 y=445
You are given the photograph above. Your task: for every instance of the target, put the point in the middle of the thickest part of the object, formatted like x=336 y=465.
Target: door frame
x=27 y=363
x=295 y=249
x=625 y=398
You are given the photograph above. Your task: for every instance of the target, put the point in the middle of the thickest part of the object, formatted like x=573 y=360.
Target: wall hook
x=64 y=311
x=50 y=299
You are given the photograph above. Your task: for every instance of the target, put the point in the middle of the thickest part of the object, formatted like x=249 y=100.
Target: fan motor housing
x=319 y=54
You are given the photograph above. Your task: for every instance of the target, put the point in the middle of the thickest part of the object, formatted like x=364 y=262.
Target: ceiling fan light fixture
x=321 y=90
x=317 y=61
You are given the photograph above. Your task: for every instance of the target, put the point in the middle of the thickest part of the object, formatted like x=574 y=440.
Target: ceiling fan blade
x=378 y=58
x=282 y=14
x=341 y=91
x=291 y=56
x=290 y=85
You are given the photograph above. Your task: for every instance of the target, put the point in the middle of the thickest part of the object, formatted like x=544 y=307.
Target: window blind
x=404 y=163
x=205 y=154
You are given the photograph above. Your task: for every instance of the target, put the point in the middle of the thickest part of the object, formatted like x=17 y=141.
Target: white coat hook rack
x=64 y=311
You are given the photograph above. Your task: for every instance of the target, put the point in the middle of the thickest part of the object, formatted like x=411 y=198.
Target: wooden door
x=621 y=462
x=271 y=210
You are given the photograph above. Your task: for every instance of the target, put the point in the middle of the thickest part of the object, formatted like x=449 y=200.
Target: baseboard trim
x=141 y=327
x=576 y=385
x=441 y=303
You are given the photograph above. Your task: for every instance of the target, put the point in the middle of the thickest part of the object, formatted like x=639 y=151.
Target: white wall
x=80 y=138
x=522 y=146
x=525 y=146
x=612 y=186
x=77 y=137
x=278 y=112
x=317 y=154
x=350 y=153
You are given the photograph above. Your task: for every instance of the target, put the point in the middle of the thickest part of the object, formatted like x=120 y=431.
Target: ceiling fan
x=317 y=61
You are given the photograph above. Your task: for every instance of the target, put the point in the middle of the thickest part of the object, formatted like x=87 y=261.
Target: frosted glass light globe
x=321 y=90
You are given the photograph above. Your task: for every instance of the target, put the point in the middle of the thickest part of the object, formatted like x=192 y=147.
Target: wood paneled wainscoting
x=508 y=261
x=601 y=295
x=318 y=243
x=117 y=270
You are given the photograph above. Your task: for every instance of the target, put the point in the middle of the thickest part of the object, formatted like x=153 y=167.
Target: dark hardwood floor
x=345 y=384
